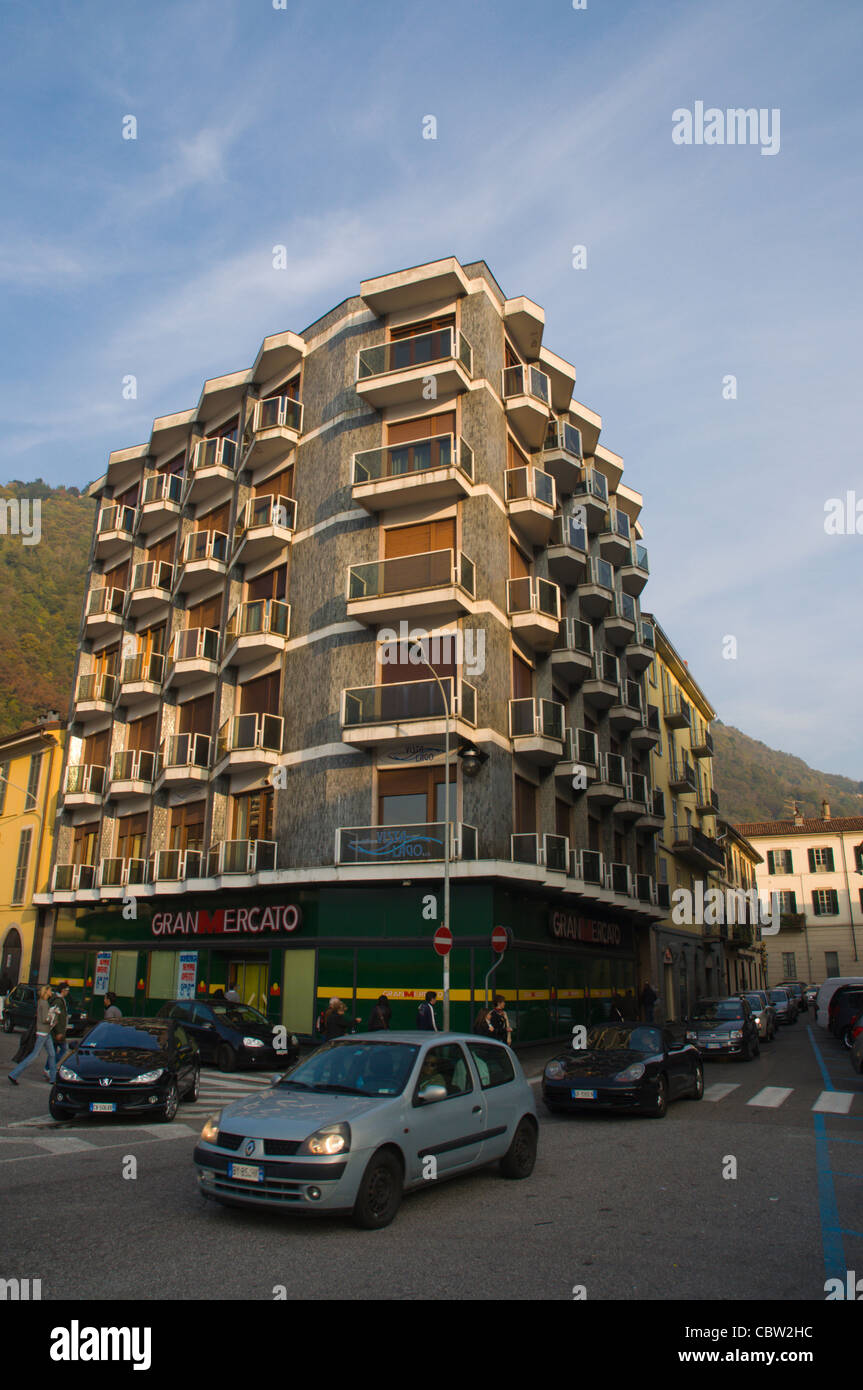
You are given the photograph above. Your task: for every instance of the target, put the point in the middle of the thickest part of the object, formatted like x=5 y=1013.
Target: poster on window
x=103 y=972
x=187 y=974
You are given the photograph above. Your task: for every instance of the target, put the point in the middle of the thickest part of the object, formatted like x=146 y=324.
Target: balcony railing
x=618 y=879
x=432 y=569
x=612 y=769
x=266 y=511
x=407 y=700
x=213 y=453
x=531 y=595
x=575 y=636
x=619 y=523
x=521 y=380
x=678 y=711
x=133 y=766
x=588 y=866
x=606 y=668
x=693 y=839
x=682 y=773
x=278 y=412
x=241 y=857
x=565 y=438
x=524 y=848
x=645 y=888
x=85 y=779
x=530 y=718
x=585 y=748
x=177 y=864
x=163 y=487
x=646 y=635
x=250 y=733
x=145 y=668
x=259 y=616
x=419 y=350
x=205 y=545
x=396 y=844
x=185 y=750
x=118 y=873
x=154 y=574
x=195 y=644
x=593 y=484
x=658 y=803
x=601 y=573
x=117 y=518
x=99 y=688
x=637 y=789
x=555 y=853
x=529 y=484
x=104 y=601
x=415 y=456
x=565 y=530
x=69 y=878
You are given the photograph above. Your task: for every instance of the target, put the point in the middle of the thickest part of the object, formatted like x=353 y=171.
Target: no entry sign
x=442 y=941
x=499 y=939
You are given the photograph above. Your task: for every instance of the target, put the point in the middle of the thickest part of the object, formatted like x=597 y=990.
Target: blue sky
x=303 y=127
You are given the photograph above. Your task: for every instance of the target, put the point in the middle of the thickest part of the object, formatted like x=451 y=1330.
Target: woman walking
x=46 y=1017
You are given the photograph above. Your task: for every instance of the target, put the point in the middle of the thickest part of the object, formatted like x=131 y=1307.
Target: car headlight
x=332 y=1139
x=146 y=1078
x=67 y=1074
x=633 y=1073
x=691 y=1037
x=252 y=1042
x=756 y=1018
x=736 y=1034
x=210 y=1132
x=554 y=1071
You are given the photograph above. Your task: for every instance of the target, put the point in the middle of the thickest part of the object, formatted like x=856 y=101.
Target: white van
x=827 y=991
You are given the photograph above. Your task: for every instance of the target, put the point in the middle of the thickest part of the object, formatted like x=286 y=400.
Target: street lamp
x=420 y=650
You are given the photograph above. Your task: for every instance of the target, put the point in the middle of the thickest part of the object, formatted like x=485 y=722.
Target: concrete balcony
x=588 y=866
x=439 y=469
x=436 y=584
x=404 y=844
x=636 y=799
x=625 y=715
x=526 y=393
x=264 y=530
x=211 y=470
x=572 y=655
x=73 y=878
x=706 y=799
x=184 y=761
x=591 y=493
x=619 y=880
x=150 y=594
x=114 y=531
x=104 y=613
x=621 y=623
x=241 y=857
x=530 y=502
x=405 y=714
x=552 y=854
x=84 y=785
x=176 y=865
x=249 y=742
x=275 y=426
x=579 y=761
x=204 y=559
x=602 y=689
x=397 y=373
x=640 y=652
x=536 y=730
x=124 y=873
x=141 y=678
x=132 y=773
x=562 y=455
x=654 y=817
x=256 y=631
x=596 y=590
x=634 y=571
x=94 y=697
x=161 y=501
x=697 y=849
x=610 y=785
x=567 y=551
x=534 y=608
x=194 y=656
x=615 y=540
x=682 y=776
x=648 y=733
x=678 y=714
x=701 y=740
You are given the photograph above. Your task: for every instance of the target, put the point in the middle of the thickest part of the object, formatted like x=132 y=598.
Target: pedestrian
x=231 y=995
x=648 y=1001
x=46 y=1017
x=58 y=1032
x=426 y=1021
x=336 y=1022
x=481 y=1025
x=112 y=1013
x=498 y=1021
x=380 y=1015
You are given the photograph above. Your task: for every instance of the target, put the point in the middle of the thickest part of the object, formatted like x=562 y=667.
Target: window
x=789 y=965
x=124 y=966
x=831 y=962
x=22 y=865
x=821 y=861
x=787 y=903
x=163 y=978
x=33 y=782
x=492 y=1063
x=445 y=1066
x=825 y=902
x=779 y=861
x=253 y=816
x=4 y=783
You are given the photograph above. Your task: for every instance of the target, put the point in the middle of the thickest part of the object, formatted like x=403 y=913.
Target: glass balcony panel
x=105 y=601
x=647 y=635
x=522 y=718
x=268 y=511
x=556 y=853
x=641 y=557
x=417 y=456
x=213 y=453
x=281 y=411
x=548 y=598
x=551 y=714
x=117 y=518
x=614 y=769
x=638 y=786
x=591 y=866
x=416 y=351
x=153 y=575
x=101 y=687
x=608 y=668
x=85 y=777
x=143 y=667
x=620 y=524
x=593 y=484
x=627 y=608
x=404 y=574
x=602 y=573
x=544 y=487
x=586 y=748
x=260 y=616
x=205 y=545
x=525 y=849
x=163 y=487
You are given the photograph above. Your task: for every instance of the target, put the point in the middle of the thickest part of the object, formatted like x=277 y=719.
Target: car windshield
x=611 y=1037
x=779 y=996
x=755 y=1000
x=355 y=1068
x=237 y=1015
x=149 y=1036
x=711 y=1010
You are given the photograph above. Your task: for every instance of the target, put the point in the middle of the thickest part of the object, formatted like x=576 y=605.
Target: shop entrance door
x=250 y=981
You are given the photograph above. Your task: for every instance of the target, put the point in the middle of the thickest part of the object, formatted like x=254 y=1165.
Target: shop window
x=162 y=977
x=124 y=968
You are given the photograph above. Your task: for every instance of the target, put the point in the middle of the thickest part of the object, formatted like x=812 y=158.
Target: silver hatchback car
x=368 y=1117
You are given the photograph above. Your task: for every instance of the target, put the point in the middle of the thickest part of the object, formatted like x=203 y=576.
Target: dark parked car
x=784 y=1004
x=20 y=1010
x=231 y=1035
x=724 y=1028
x=857 y=1047
x=140 y=1066
x=845 y=1008
x=797 y=990
x=625 y=1066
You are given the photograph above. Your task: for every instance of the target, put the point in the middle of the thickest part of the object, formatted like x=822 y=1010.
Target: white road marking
x=834 y=1102
x=62 y=1144
x=720 y=1089
x=172 y=1131
x=771 y=1097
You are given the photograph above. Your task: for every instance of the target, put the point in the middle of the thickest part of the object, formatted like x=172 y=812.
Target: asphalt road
x=623 y=1207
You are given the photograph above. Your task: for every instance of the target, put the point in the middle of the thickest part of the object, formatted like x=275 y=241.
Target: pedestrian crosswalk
x=220 y=1088
x=772 y=1097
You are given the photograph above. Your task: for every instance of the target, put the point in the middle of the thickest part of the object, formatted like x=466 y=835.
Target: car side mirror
x=429 y=1094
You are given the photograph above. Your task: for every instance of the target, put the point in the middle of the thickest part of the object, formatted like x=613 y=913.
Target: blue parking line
x=834 y=1139
x=858 y=1234
x=835 y=1266
x=825 y=1077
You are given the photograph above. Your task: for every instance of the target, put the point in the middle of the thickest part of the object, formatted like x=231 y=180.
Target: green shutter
x=811 y=854
x=770 y=868
x=830 y=864
x=789 y=861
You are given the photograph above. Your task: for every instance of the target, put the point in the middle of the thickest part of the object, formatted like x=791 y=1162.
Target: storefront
x=287 y=952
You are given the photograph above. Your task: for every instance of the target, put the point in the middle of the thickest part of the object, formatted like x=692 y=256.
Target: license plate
x=714 y=1044
x=583 y=1095
x=247 y=1172
x=102 y=1107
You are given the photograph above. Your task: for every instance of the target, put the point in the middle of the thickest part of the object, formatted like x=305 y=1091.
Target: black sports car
x=232 y=1035
x=141 y=1066
x=724 y=1028
x=625 y=1066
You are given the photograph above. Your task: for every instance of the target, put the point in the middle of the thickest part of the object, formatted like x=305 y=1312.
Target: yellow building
x=745 y=955
x=30 y=764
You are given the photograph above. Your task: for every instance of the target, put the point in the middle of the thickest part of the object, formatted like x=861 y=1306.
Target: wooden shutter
x=280 y=485
x=418 y=540
x=273 y=584
x=260 y=696
x=525 y=807
x=141 y=735
x=206 y=614
x=196 y=716
x=96 y=748
x=770 y=862
x=425 y=427
x=789 y=860
x=519 y=566
x=216 y=520
x=522 y=678
x=812 y=865
x=561 y=817
x=163 y=550
x=118 y=577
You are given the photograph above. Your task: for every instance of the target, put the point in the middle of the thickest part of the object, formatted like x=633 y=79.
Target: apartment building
x=31 y=761
x=264 y=782
x=745 y=952
x=815 y=865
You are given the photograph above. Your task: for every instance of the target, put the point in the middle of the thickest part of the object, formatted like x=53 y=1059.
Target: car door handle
x=477 y=1110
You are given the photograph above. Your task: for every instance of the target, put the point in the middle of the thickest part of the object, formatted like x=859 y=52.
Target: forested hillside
x=758 y=783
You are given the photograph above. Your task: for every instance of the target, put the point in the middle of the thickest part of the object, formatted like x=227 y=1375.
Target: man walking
x=426 y=1021
x=58 y=1032
x=648 y=1001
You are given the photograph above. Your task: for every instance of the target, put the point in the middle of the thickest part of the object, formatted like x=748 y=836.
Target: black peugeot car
x=724 y=1028
x=625 y=1066
x=139 y=1066
x=232 y=1035
x=20 y=1010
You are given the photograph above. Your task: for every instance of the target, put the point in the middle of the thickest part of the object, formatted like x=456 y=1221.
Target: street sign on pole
x=442 y=941
x=499 y=939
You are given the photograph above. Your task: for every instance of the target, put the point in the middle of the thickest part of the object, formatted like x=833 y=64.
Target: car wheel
x=380 y=1194
x=757 y=1052
x=698 y=1088
x=520 y=1157
x=660 y=1106
x=195 y=1088
x=847 y=1039
x=8 y=1023
x=172 y=1100
x=226 y=1058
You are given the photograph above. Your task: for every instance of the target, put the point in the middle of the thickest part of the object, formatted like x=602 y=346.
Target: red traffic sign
x=500 y=939
x=442 y=941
